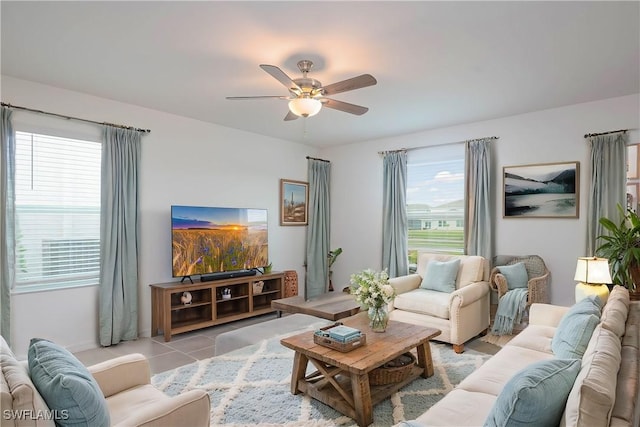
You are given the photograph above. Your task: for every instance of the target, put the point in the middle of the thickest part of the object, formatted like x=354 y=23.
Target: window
x=435 y=200
x=57 y=211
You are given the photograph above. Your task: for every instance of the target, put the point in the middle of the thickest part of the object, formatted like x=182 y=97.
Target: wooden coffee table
x=331 y=306
x=342 y=379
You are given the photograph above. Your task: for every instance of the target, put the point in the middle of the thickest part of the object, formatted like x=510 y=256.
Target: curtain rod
x=604 y=133
x=437 y=145
x=5 y=104
x=315 y=158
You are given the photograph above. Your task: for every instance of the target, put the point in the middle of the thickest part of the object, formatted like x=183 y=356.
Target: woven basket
x=389 y=373
x=290 y=283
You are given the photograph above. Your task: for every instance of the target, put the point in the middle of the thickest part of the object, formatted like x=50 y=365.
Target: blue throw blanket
x=510 y=309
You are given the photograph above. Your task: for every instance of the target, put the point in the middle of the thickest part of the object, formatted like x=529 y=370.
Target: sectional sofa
x=538 y=374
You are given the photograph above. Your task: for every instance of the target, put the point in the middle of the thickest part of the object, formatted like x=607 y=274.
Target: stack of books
x=344 y=334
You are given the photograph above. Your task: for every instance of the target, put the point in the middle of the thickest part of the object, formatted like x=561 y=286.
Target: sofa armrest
x=468 y=294
x=546 y=314
x=191 y=408
x=468 y=312
x=122 y=373
x=407 y=283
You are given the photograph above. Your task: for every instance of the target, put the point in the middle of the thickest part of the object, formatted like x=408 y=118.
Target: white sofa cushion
x=593 y=394
x=472 y=267
x=424 y=301
x=453 y=410
x=497 y=371
x=535 y=337
x=6 y=402
x=614 y=313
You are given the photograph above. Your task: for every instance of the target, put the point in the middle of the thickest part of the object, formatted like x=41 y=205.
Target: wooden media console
x=209 y=306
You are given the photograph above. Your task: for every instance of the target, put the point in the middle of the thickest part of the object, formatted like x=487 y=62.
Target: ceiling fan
x=307 y=95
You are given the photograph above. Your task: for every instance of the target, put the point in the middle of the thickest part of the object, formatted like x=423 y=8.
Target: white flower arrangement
x=372 y=289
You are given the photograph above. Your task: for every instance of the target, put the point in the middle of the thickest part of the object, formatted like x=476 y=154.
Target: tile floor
x=181 y=350
x=197 y=345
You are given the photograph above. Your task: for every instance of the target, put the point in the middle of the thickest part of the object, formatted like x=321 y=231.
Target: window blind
x=57 y=211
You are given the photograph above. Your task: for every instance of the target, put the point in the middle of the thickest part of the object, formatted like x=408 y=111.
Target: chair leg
x=458 y=348
x=484 y=333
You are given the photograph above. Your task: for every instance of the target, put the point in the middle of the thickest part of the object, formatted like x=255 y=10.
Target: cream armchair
x=126 y=384
x=461 y=314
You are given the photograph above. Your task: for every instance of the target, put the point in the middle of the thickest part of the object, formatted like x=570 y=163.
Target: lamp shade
x=305 y=107
x=593 y=270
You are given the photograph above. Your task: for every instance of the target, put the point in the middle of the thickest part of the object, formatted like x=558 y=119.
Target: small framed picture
x=548 y=190
x=294 y=201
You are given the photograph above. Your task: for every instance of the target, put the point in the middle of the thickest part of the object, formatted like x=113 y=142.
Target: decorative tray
x=322 y=338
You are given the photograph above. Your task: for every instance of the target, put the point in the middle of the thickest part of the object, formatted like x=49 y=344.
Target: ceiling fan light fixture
x=305 y=107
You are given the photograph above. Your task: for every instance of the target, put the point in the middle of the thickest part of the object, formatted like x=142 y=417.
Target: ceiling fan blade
x=350 y=84
x=358 y=110
x=235 y=98
x=280 y=75
x=290 y=116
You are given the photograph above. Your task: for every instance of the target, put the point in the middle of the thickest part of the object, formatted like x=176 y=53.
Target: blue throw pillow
x=66 y=386
x=536 y=395
x=575 y=328
x=441 y=275
x=516 y=275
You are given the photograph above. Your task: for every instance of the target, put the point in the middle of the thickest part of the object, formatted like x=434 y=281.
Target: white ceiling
x=437 y=63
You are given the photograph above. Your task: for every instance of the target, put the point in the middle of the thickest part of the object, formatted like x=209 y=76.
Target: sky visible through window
x=435 y=184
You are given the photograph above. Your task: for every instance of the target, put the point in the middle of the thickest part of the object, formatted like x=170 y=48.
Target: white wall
x=184 y=161
x=191 y=162
x=548 y=136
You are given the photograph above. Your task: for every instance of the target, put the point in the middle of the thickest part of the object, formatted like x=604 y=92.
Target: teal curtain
x=118 y=296
x=318 y=232
x=608 y=183
x=477 y=227
x=395 y=233
x=7 y=228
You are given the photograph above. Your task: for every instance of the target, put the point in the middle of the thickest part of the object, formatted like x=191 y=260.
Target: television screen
x=208 y=240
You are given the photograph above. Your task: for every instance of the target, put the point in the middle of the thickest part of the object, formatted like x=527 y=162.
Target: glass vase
x=378 y=318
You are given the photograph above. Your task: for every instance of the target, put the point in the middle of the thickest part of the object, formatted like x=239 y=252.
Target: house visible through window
x=57 y=211
x=435 y=200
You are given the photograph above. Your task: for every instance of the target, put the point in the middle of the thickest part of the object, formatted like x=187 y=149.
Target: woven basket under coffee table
x=394 y=371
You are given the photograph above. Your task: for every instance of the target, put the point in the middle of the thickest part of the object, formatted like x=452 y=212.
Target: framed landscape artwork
x=294 y=200
x=548 y=190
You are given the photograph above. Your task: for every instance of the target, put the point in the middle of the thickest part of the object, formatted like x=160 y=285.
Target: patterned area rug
x=251 y=387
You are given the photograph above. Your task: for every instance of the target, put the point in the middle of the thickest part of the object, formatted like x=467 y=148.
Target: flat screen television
x=206 y=240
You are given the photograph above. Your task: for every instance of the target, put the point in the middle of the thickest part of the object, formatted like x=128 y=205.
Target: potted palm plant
x=622 y=247
x=331 y=258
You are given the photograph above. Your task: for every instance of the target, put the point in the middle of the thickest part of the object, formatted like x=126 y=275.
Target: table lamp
x=593 y=276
